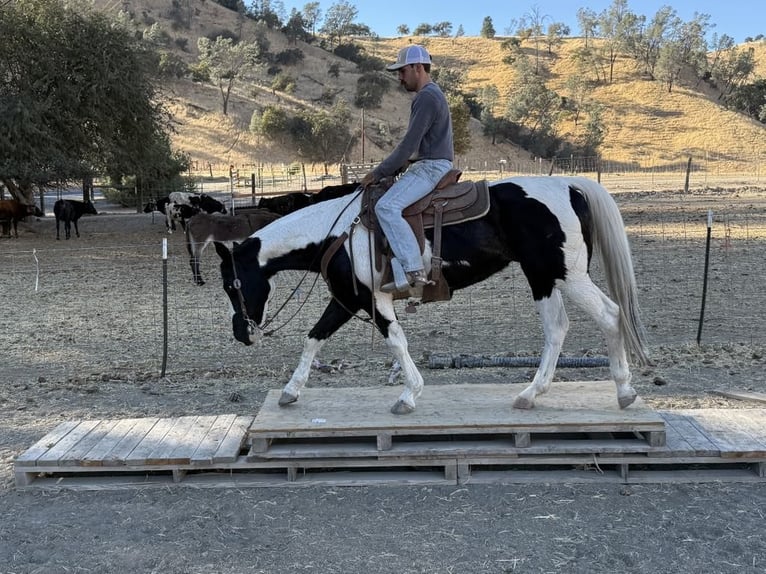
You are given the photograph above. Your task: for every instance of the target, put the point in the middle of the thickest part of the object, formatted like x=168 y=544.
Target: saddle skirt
x=449 y=203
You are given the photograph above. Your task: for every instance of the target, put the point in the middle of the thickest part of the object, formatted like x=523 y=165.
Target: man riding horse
x=429 y=140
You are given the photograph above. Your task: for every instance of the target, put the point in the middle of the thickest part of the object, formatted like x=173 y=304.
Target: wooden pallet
x=216 y=451
x=134 y=446
x=582 y=415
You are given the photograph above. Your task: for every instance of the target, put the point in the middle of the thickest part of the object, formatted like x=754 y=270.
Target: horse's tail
x=611 y=242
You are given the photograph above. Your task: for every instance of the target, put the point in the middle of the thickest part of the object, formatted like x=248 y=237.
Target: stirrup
x=415 y=280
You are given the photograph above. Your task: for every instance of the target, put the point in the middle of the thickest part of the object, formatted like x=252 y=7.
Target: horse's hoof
x=287 y=399
x=626 y=401
x=523 y=403
x=402 y=408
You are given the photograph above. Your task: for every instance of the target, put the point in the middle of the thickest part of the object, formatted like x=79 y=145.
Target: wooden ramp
x=459 y=434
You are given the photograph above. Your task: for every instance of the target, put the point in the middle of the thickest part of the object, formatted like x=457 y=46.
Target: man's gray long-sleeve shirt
x=429 y=133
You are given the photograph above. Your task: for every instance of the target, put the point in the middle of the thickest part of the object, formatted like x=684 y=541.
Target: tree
x=338 y=21
x=557 y=31
x=443 y=29
x=71 y=111
x=227 y=62
x=461 y=135
x=312 y=14
x=403 y=30
x=535 y=107
x=617 y=25
x=295 y=29
x=532 y=25
x=270 y=12
x=645 y=46
x=487 y=29
x=324 y=135
x=423 y=29
x=460 y=31
x=588 y=22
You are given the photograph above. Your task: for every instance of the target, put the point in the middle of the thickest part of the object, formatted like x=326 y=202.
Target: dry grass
x=647 y=126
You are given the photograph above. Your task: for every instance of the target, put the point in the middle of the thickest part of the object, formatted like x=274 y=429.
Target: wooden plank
x=141 y=451
x=753 y=421
x=229 y=448
x=675 y=443
x=189 y=444
x=684 y=423
x=573 y=405
x=163 y=451
x=54 y=454
x=732 y=439
x=43 y=445
x=742 y=395
x=101 y=451
x=74 y=456
x=121 y=451
x=205 y=451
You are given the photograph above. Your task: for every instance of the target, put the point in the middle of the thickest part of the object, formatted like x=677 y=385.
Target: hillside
x=646 y=125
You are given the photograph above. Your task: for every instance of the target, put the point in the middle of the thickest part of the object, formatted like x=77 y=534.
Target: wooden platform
x=459 y=434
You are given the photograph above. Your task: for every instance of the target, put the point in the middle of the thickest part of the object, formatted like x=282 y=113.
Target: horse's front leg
x=300 y=375
x=334 y=317
x=76 y=229
x=555 y=327
x=413 y=380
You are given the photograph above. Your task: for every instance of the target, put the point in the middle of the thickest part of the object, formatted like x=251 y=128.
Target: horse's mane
x=312 y=224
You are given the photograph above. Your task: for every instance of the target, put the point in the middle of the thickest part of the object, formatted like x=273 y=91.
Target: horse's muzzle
x=245 y=331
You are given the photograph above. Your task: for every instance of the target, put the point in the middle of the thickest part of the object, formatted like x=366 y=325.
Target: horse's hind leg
x=555 y=327
x=606 y=314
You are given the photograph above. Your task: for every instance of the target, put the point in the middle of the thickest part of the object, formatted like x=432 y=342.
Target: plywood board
x=567 y=407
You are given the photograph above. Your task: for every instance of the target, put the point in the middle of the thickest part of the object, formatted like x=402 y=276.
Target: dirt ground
x=411 y=529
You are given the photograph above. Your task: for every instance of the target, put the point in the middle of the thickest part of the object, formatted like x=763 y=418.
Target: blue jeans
x=417 y=182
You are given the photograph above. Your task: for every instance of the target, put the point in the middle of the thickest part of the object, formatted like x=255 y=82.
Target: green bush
x=370 y=88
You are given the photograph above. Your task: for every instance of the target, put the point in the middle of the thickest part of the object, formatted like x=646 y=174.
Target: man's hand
x=367 y=180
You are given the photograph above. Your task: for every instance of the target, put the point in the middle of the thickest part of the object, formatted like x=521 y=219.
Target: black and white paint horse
x=203 y=228
x=69 y=211
x=550 y=225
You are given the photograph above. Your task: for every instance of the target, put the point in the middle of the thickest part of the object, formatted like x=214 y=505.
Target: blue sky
x=736 y=18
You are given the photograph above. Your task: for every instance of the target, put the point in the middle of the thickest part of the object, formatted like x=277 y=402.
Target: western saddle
x=449 y=203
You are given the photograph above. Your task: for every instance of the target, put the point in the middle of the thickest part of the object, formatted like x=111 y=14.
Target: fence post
x=704 y=279
x=688 y=170
x=164 y=305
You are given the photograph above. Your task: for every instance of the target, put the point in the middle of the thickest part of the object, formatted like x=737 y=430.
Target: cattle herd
x=203 y=218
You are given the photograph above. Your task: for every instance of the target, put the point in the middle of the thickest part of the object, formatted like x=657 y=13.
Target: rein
x=252 y=326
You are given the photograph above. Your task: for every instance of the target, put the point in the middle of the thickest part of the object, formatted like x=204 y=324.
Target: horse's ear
x=222 y=250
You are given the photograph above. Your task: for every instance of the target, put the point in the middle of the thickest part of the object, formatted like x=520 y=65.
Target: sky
x=736 y=18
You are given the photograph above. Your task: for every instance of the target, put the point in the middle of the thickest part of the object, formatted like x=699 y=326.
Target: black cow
x=69 y=211
x=12 y=210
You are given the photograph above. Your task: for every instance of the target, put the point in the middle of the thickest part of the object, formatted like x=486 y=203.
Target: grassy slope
x=646 y=123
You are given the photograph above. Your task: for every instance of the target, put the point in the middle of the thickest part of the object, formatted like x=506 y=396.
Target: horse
x=69 y=211
x=12 y=211
x=551 y=226
x=200 y=231
x=206 y=227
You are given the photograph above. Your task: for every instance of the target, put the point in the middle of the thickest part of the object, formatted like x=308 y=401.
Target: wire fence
x=244 y=182
x=96 y=308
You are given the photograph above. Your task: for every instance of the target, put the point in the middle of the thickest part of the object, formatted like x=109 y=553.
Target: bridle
x=252 y=326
